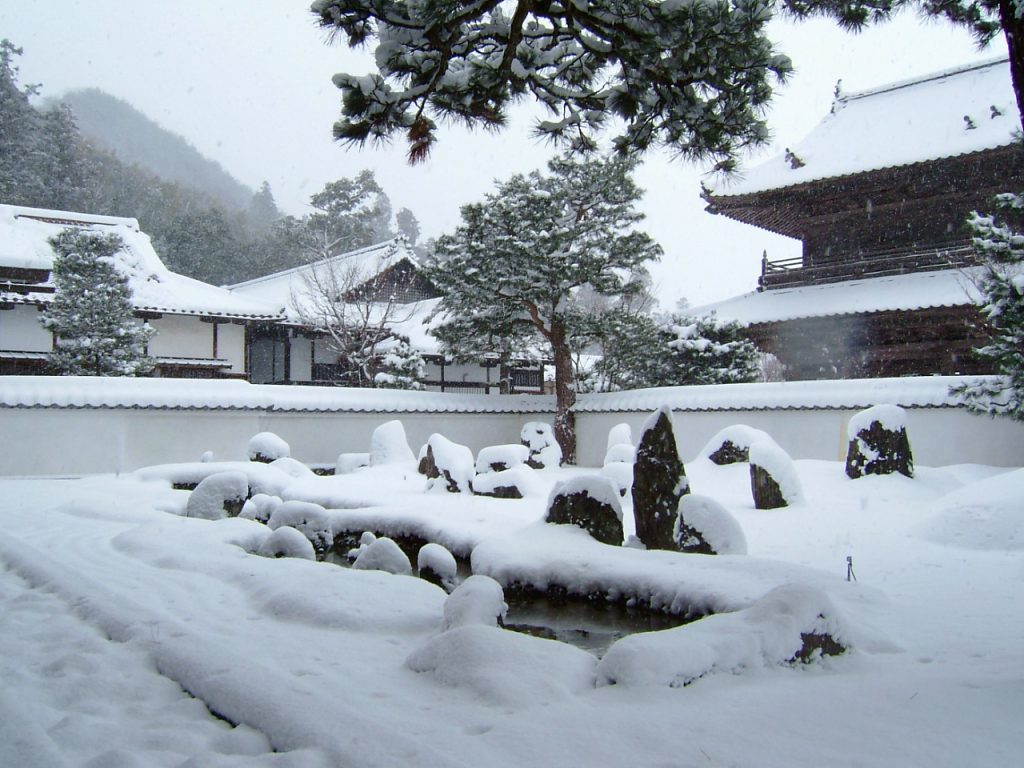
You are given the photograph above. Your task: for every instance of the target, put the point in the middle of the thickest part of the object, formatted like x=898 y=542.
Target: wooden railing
x=790 y=272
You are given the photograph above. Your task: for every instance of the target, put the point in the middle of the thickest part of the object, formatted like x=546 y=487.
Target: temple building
x=878 y=194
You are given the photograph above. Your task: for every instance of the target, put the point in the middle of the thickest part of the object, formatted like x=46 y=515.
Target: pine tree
x=91 y=312
x=999 y=244
x=638 y=351
x=510 y=270
x=695 y=77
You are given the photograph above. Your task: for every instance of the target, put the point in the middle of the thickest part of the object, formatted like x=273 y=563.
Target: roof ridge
x=921 y=79
x=318 y=263
x=74 y=217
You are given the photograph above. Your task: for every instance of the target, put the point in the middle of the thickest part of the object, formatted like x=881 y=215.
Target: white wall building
x=200 y=328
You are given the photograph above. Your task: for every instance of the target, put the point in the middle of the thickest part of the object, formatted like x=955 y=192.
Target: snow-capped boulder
x=878 y=443
x=792 y=623
x=620 y=434
x=260 y=507
x=219 y=495
x=266 y=447
x=292 y=467
x=388 y=445
x=514 y=483
x=437 y=565
x=311 y=519
x=383 y=554
x=477 y=600
x=590 y=502
x=659 y=481
x=365 y=540
x=620 y=473
x=350 y=462
x=287 y=542
x=448 y=465
x=732 y=444
x=773 y=479
x=705 y=527
x=498 y=458
x=539 y=437
x=620 y=453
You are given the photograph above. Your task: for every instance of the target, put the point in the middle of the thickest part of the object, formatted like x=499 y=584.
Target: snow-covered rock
x=791 y=623
x=477 y=600
x=449 y=466
x=219 y=495
x=621 y=474
x=497 y=458
x=590 y=502
x=260 y=507
x=732 y=444
x=878 y=443
x=287 y=542
x=716 y=531
x=620 y=453
x=266 y=447
x=515 y=483
x=539 y=437
x=437 y=565
x=388 y=445
x=773 y=478
x=383 y=554
x=262 y=478
x=620 y=434
x=987 y=514
x=292 y=467
x=350 y=462
x=311 y=519
x=659 y=481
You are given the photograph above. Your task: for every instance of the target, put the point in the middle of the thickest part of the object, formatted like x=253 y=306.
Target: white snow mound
x=714 y=523
x=268 y=446
x=510 y=455
x=383 y=554
x=287 y=542
x=207 y=500
x=477 y=600
x=987 y=514
x=388 y=445
x=739 y=435
x=768 y=633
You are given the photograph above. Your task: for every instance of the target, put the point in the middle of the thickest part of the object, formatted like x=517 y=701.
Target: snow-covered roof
x=220 y=394
x=24 y=235
x=897 y=124
x=907 y=392
x=918 y=290
x=359 y=266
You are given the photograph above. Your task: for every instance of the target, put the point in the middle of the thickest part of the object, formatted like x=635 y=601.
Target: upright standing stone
x=659 y=482
x=878 y=443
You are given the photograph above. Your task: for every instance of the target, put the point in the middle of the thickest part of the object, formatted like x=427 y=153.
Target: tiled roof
x=24 y=233
x=954 y=112
x=918 y=290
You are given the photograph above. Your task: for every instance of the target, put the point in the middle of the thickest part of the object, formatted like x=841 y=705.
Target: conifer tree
x=999 y=243
x=510 y=270
x=91 y=312
x=695 y=77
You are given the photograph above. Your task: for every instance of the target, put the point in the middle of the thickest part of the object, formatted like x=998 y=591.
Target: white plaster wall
x=84 y=441
x=181 y=336
x=938 y=436
x=301 y=357
x=20 y=330
x=231 y=345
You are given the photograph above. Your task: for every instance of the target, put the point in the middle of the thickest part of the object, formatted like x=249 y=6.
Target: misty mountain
x=114 y=125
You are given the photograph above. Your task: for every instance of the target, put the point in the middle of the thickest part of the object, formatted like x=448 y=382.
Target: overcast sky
x=248 y=83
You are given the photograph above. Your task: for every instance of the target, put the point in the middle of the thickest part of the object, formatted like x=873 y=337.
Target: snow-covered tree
x=693 y=76
x=91 y=312
x=511 y=269
x=639 y=351
x=999 y=243
x=357 y=313
x=347 y=214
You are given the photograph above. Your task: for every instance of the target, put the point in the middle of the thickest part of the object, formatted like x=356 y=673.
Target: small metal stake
x=850 y=575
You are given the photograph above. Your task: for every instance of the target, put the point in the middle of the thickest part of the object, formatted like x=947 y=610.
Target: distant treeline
x=210 y=227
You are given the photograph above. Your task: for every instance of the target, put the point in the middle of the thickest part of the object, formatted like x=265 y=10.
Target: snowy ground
x=131 y=636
